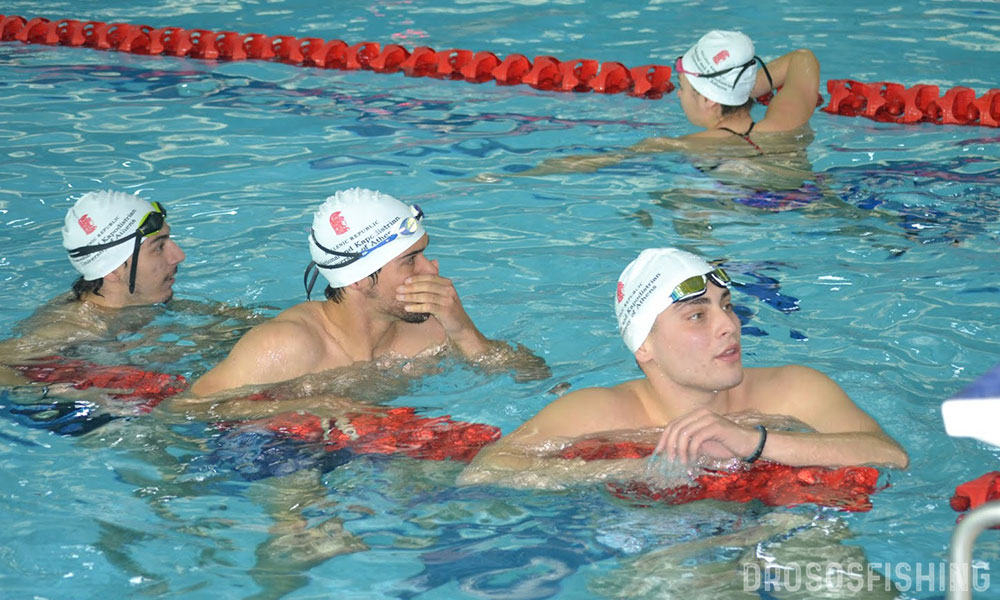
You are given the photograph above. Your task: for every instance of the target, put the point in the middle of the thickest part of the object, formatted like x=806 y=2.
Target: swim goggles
x=692 y=287
x=151 y=223
x=407 y=227
x=678 y=66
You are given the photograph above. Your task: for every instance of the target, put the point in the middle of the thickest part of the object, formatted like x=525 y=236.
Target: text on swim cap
x=721 y=56
x=87 y=224
x=370 y=234
x=639 y=298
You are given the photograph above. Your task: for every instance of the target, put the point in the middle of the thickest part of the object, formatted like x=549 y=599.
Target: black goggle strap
x=770 y=82
x=147 y=227
x=354 y=255
x=351 y=257
x=756 y=59
x=135 y=263
x=85 y=250
x=310 y=282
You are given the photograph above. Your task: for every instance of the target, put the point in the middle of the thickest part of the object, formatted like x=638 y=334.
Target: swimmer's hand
x=436 y=296
x=703 y=432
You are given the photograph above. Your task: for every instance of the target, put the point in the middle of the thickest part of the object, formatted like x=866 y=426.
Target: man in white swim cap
x=676 y=316
x=384 y=298
x=120 y=245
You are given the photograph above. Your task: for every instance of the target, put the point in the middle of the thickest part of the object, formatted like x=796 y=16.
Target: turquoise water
x=886 y=280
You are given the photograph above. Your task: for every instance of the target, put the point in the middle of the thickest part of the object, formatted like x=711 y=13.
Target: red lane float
x=387 y=431
x=845 y=488
x=973 y=494
x=375 y=431
x=546 y=73
x=894 y=103
x=146 y=388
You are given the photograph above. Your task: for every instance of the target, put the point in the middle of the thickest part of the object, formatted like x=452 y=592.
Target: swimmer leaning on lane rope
x=675 y=315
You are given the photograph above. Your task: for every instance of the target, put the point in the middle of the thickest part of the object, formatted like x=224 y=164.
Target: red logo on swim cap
x=721 y=56
x=338 y=224
x=86 y=224
x=620 y=293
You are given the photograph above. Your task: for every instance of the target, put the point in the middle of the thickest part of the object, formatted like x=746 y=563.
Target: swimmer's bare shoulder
x=57 y=324
x=285 y=347
x=710 y=140
x=585 y=412
x=579 y=414
x=808 y=395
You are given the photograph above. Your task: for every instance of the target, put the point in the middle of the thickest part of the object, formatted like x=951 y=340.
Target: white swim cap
x=717 y=51
x=644 y=289
x=357 y=232
x=99 y=218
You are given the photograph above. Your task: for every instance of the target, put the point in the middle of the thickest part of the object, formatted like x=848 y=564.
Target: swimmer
x=121 y=246
x=676 y=316
x=717 y=81
x=385 y=298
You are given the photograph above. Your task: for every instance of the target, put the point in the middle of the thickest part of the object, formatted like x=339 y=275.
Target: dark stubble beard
x=411 y=317
x=398 y=309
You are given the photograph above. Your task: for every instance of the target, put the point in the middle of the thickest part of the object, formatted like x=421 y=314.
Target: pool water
x=878 y=268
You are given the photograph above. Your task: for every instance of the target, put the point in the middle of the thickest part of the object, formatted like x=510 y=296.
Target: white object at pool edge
x=975 y=411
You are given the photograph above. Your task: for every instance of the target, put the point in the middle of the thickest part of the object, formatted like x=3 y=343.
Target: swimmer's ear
x=363 y=285
x=708 y=104
x=643 y=353
x=120 y=274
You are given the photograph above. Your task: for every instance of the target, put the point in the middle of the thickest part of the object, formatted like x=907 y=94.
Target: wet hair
x=337 y=294
x=730 y=109
x=82 y=286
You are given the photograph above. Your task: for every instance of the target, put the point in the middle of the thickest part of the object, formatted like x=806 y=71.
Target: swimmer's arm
x=512 y=465
x=658 y=144
x=271 y=352
x=833 y=449
x=10 y=376
x=251 y=404
x=218 y=309
x=845 y=434
x=797 y=74
x=9 y=355
x=519 y=459
x=589 y=163
x=500 y=356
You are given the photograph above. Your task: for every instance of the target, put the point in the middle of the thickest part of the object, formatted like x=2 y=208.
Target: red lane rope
x=545 y=73
x=883 y=101
x=894 y=103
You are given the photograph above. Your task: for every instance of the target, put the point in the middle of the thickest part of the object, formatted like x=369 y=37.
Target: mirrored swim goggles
x=407 y=227
x=150 y=224
x=692 y=287
x=743 y=68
